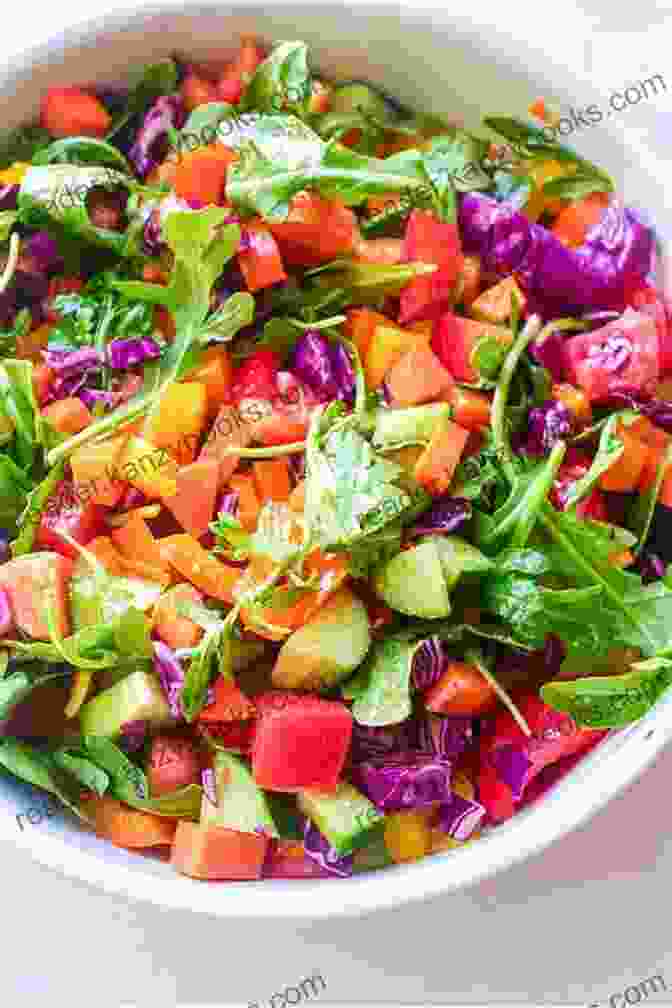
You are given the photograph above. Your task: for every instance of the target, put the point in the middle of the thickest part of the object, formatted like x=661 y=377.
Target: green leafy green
x=17 y=400
x=128 y=781
x=21 y=326
x=92 y=777
x=15 y=485
x=381 y=689
x=611 y=701
x=21 y=144
x=236 y=313
x=36 y=502
x=155 y=80
x=8 y=219
x=16 y=686
x=82 y=150
x=232 y=539
x=282 y=82
x=609 y=449
x=38 y=768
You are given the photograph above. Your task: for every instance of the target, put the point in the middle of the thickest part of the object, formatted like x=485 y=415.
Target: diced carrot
x=573 y=223
x=42 y=378
x=470 y=409
x=360 y=326
x=228 y=431
x=494 y=304
x=260 y=261
x=215 y=372
x=104 y=550
x=248 y=501
x=135 y=542
x=194 y=503
x=437 y=464
x=73 y=112
x=197 y=91
x=201 y=174
x=379 y=251
x=576 y=401
x=272 y=479
x=297 y=498
x=471 y=280
x=127 y=827
x=388 y=345
x=174 y=629
x=624 y=474
x=148 y=468
x=68 y=416
x=179 y=421
x=203 y=570
x=214 y=852
x=418 y=377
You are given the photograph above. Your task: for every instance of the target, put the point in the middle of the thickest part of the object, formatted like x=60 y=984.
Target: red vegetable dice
x=315 y=231
x=300 y=741
x=455 y=338
x=259 y=259
x=71 y=511
x=173 y=764
x=73 y=112
x=429 y=240
x=653 y=303
x=257 y=377
x=623 y=355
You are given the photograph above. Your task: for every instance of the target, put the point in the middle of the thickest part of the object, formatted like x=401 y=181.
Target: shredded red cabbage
x=547 y=424
x=8 y=197
x=446 y=515
x=133 y=735
x=460 y=817
x=319 y=849
x=208 y=785
x=447 y=737
x=428 y=663
x=404 y=781
x=128 y=353
x=171 y=674
x=151 y=142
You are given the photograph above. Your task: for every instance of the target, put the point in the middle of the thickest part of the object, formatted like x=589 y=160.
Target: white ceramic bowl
x=456 y=66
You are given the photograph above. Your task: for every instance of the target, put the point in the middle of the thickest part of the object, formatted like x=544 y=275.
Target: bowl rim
x=607 y=770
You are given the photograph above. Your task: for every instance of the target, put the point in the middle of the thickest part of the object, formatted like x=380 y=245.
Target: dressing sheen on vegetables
x=334 y=467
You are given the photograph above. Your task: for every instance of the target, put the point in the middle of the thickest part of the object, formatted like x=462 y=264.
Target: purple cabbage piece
x=73 y=362
x=404 y=781
x=446 y=515
x=65 y=386
x=151 y=142
x=128 y=353
x=319 y=849
x=44 y=250
x=92 y=397
x=547 y=424
x=209 y=786
x=447 y=737
x=228 y=503
x=513 y=766
x=615 y=259
x=370 y=742
x=133 y=735
x=598 y=319
x=460 y=817
x=343 y=371
x=312 y=363
x=171 y=674
x=651 y=566
x=550 y=353
x=8 y=196
x=428 y=663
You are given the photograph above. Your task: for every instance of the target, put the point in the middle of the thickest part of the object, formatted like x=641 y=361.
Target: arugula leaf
x=609 y=449
x=8 y=219
x=38 y=768
x=282 y=82
x=97 y=316
x=611 y=701
x=21 y=144
x=480 y=477
x=211 y=658
x=156 y=80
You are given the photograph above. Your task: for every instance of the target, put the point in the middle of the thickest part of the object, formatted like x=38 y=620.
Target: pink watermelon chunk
x=194 y=503
x=29 y=581
x=300 y=741
x=429 y=240
x=454 y=340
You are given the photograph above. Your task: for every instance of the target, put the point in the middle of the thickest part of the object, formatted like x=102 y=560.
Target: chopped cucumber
x=96 y=599
x=327 y=648
x=136 y=697
x=359 y=96
x=458 y=557
x=413 y=582
x=345 y=818
x=414 y=425
x=241 y=804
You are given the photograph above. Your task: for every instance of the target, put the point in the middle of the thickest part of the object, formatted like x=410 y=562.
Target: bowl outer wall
x=481 y=65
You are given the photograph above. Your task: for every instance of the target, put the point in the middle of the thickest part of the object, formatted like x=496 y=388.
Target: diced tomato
x=315 y=230
x=201 y=174
x=301 y=741
x=621 y=355
x=471 y=409
x=259 y=260
x=229 y=704
x=173 y=763
x=73 y=112
x=454 y=341
x=29 y=581
x=70 y=511
x=429 y=240
x=233 y=81
x=234 y=735
x=257 y=377
x=196 y=90
x=213 y=852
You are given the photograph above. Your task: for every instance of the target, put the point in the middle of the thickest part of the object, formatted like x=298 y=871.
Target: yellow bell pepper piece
x=407 y=836
x=14 y=174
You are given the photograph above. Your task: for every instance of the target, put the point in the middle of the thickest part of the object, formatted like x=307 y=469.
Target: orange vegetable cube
x=68 y=416
x=436 y=466
x=179 y=421
x=418 y=377
x=494 y=304
x=248 y=501
x=272 y=479
x=214 y=371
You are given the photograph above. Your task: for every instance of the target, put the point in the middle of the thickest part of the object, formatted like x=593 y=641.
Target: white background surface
x=578 y=923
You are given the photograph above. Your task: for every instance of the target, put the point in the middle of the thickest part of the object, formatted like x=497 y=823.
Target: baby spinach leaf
x=611 y=701
x=236 y=313
x=15 y=485
x=38 y=768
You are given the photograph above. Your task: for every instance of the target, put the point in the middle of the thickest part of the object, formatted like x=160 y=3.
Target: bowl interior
x=460 y=70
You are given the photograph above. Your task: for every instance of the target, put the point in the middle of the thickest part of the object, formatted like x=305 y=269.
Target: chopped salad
x=334 y=468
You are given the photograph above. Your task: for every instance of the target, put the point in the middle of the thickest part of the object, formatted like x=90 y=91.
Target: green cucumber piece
x=458 y=557
x=413 y=425
x=327 y=648
x=413 y=582
x=354 y=96
x=138 y=696
x=344 y=818
x=241 y=804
